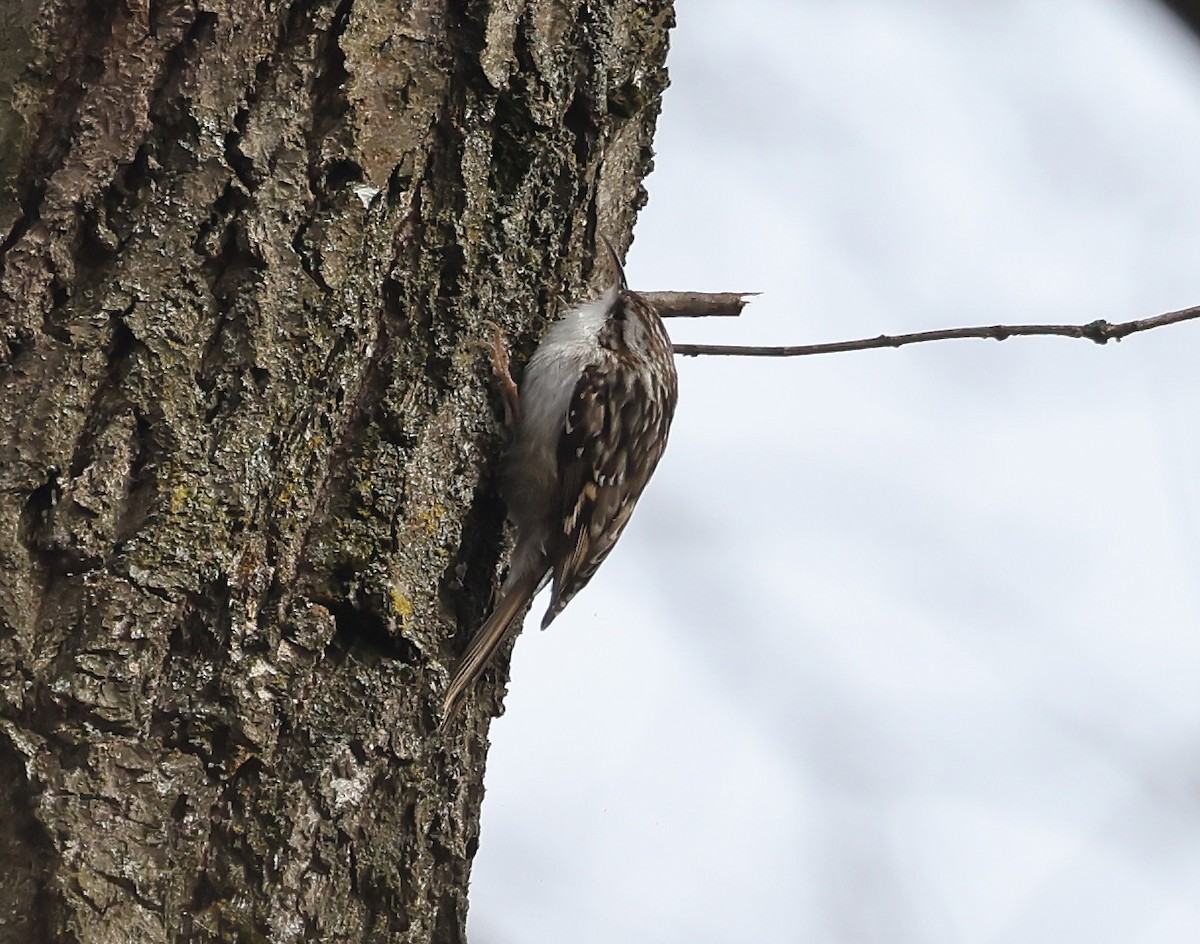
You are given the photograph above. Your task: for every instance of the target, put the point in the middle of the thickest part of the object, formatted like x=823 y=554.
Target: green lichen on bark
x=246 y=510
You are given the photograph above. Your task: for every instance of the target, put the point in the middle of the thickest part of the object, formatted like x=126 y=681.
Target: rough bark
x=247 y=511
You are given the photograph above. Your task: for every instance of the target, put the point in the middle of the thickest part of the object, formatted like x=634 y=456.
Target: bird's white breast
x=554 y=370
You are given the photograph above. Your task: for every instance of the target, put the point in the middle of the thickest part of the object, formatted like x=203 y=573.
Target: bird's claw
x=510 y=395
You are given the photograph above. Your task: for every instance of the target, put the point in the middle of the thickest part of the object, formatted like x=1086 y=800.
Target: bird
x=589 y=423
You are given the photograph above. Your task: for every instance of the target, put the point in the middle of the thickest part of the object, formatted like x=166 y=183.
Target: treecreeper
x=589 y=425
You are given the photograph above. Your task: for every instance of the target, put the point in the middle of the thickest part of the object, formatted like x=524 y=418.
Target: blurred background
x=903 y=645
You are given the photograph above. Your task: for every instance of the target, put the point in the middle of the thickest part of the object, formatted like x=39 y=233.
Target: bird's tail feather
x=513 y=599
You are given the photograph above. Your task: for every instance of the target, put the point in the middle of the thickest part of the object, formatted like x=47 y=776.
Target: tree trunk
x=246 y=484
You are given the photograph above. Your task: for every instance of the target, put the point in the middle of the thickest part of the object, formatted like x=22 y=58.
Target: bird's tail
x=513 y=599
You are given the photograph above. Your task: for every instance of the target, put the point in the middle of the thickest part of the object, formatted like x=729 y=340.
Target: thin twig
x=699 y=304
x=1099 y=331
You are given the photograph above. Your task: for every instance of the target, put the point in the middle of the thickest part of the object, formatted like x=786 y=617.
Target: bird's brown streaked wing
x=600 y=482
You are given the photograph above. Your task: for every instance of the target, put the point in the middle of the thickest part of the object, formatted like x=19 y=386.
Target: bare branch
x=699 y=304
x=1099 y=331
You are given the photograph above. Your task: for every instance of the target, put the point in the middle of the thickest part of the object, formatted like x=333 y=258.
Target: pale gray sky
x=901 y=646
